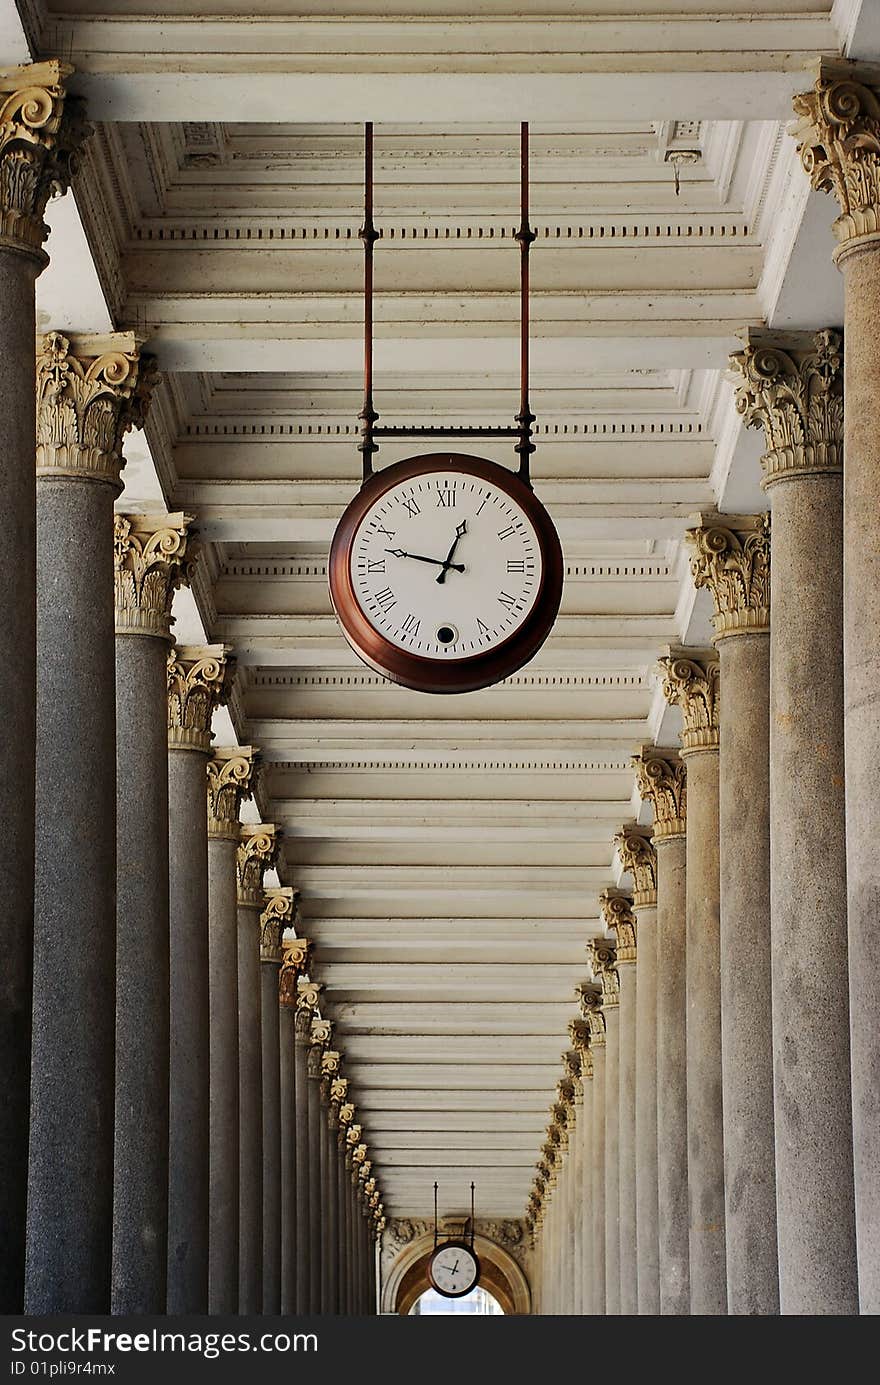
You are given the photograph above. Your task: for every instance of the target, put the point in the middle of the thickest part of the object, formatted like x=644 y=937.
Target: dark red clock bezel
x=455 y=1245
x=416 y=670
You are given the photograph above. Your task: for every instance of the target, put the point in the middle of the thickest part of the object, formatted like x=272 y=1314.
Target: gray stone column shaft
x=188 y=1171
x=18 y=681
x=304 y=1302
x=314 y=1195
x=808 y=937
x=629 y=1290
x=250 y=1107
x=287 y=1135
x=746 y=1019
x=342 y=1230
x=598 y=1180
x=271 y=1086
x=708 y=1264
x=224 y=1078
x=332 y=1221
x=672 y=1151
x=70 y=1184
x=327 y=1182
x=612 y=1161
x=584 y=1219
x=647 y=1178
x=140 y=1164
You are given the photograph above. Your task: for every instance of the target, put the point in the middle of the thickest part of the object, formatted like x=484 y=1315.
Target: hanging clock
x=454 y=1269
x=445 y=570
x=446 y=573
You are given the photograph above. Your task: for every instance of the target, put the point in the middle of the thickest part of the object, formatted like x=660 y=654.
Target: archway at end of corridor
x=501 y=1277
x=478 y=1303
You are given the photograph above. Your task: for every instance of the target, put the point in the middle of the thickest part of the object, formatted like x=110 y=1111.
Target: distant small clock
x=454 y=1269
x=446 y=573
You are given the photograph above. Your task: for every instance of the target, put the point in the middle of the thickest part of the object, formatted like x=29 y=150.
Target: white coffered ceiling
x=449 y=851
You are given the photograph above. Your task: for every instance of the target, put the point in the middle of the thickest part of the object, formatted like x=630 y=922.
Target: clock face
x=446 y=572
x=445 y=565
x=454 y=1270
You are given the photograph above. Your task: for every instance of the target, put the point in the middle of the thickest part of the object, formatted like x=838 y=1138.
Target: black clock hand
x=460 y=529
x=437 y=562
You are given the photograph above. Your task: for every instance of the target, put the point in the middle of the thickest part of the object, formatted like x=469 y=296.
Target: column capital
x=346 y=1113
x=661 y=779
x=838 y=135
x=153 y=555
x=331 y=1060
x=791 y=385
x=579 y=1033
x=339 y=1093
x=691 y=682
x=199 y=680
x=295 y=954
x=41 y=130
x=602 y=956
x=618 y=916
x=257 y=853
x=638 y=856
x=277 y=914
x=731 y=557
x=232 y=777
x=320 y=1035
x=590 y=997
x=90 y=391
x=308 y=997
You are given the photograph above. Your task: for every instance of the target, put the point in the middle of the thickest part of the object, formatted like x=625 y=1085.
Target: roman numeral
x=483 y=629
x=446 y=498
x=386 y=598
x=411 y=626
x=507 y=600
x=516 y=565
x=506 y=533
x=378 y=565
x=389 y=533
x=411 y=506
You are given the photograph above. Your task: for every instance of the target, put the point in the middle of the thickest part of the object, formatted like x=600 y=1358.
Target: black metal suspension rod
x=369 y=235
x=525 y=235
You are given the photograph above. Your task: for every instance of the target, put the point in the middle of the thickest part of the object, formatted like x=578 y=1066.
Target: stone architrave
x=691 y=682
x=602 y=960
x=257 y=853
x=617 y=913
x=731 y=557
x=791 y=386
x=661 y=779
x=638 y=856
x=153 y=556
x=294 y=961
x=839 y=134
x=90 y=391
x=40 y=131
x=232 y=774
x=199 y=679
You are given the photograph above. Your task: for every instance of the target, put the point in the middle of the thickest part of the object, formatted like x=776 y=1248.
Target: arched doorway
x=478 y=1303
x=406 y=1280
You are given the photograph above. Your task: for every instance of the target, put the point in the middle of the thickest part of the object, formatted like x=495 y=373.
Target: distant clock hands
x=459 y=531
x=420 y=558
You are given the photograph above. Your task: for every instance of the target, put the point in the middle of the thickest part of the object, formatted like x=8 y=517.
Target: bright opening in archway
x=478 y=1301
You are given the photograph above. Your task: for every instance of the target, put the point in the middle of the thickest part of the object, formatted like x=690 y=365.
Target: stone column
x=591 y=1008
x=638 y=857
x=308 y=998
x=38 y=134
x=152 y=556
x=661 y=779
x=338 y=1101
x=277 y=914
x=319 y=1039
x=346 y=1118
x=579 y=1033
x=90 y=391
x=294 y=961
x=231 y=779
x=691 y=682
x=330 y=1061
x=351 y=1252
x=571 y=1061
x=619 y=918
x=199 y=679
x=732 y=558
x=602 y=957
x=792 y=386
x=841 y=153
x=257 y=851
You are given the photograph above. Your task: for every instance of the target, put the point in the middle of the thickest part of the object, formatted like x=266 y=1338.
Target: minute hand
x=460 y=529
x=420 y=558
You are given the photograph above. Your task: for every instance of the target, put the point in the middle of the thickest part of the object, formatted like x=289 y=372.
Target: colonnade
x=748 y=951
x=153 y=1103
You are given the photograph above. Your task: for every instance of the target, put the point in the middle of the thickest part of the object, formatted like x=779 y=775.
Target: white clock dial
x=454 y=1269
x=446 y=565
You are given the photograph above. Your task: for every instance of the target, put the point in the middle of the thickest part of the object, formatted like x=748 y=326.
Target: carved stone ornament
x=617 y=913
x=294 y=961
x=232 y=777
x=359 y=1155
x=638 y=856
x=199 y=680
x=602 y=956
x=791 y=385
x=691 y=682
x=330 y=1061
x=257 y=853
x=354 y=1134
x=731 y=557
x=661 y=779
x=276 y=915
x=838 y=135
x=339 y=1091
x=90 y=391
x=152 y=557
x=41 y=131
x=579 y=1034
x=591 y=1002
x=346 y=1113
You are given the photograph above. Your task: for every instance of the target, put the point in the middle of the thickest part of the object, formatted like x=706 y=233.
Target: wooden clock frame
x=454 y=1245
x=416 y=670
